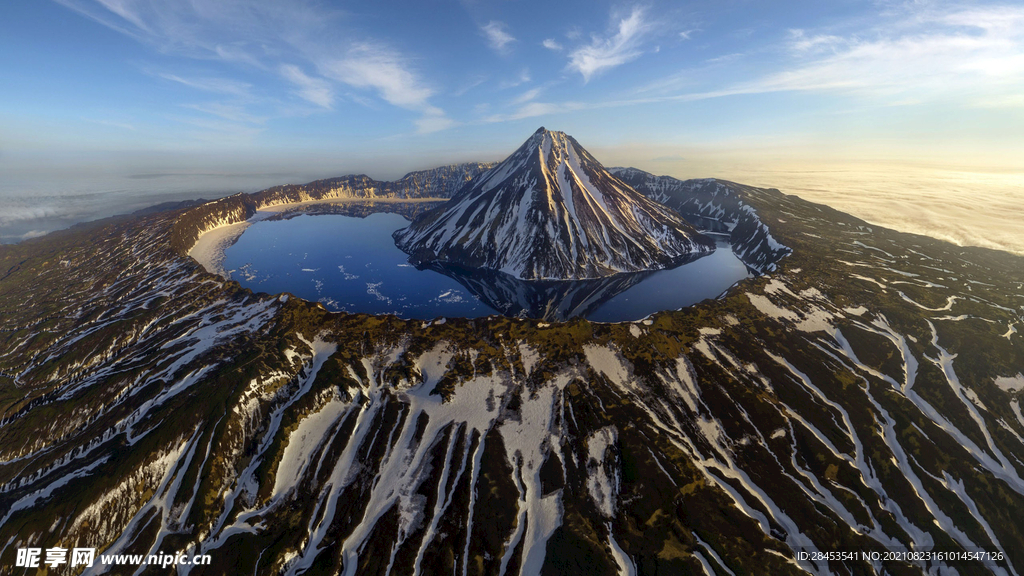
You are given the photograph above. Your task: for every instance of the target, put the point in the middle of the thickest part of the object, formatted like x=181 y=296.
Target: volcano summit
x=552 y=211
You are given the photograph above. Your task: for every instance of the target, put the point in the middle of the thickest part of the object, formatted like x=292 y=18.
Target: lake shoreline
x=209 y=248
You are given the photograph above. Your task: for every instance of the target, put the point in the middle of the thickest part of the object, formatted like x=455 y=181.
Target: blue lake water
x=351 y=264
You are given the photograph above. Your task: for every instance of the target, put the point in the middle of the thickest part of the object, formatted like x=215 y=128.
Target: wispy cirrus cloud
x=724 y=58
x=522 y=78
x=497 y=36
x=375 y=67
x=926 y=54
x=133 y=27
x=534 y=109
x=473 y=82
x=386 y=72
x=527 y=111
x=552 y=44
x=801 y=42
x=315 y=90
x=527 y=96
x=207 y=29
x=973 y=55
x=232 y=112
x=211 y=84
x=296 y=42
x=434 y=121
x=621 y=47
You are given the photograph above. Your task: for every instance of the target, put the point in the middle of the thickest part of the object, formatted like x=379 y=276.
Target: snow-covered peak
x=551 y=211
x=555 y=147
x=548 y=139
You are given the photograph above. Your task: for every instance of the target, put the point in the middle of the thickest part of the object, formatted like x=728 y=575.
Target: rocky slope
x=717 y=204
x=442 y=182
x=551 y=211
x=865 y=394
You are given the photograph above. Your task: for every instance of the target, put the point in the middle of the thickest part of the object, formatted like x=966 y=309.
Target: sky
x=115 y=104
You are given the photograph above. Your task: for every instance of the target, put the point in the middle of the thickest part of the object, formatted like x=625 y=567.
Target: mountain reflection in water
x=556 y=300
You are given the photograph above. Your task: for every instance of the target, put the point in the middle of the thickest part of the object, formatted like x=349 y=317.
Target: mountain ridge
x=718 y=203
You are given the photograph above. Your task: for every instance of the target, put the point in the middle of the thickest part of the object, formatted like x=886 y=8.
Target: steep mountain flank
x=551 y=211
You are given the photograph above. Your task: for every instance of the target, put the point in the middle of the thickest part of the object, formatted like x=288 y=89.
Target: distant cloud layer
x=969 y=207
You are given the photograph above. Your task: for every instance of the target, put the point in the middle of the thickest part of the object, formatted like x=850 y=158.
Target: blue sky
x=297 y=90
